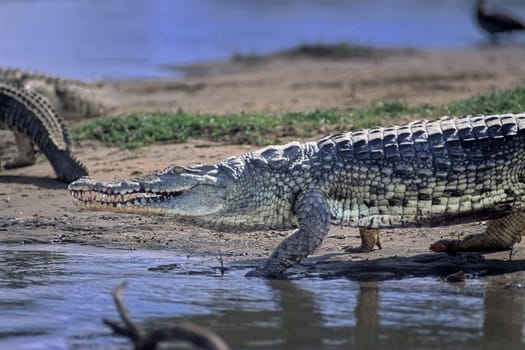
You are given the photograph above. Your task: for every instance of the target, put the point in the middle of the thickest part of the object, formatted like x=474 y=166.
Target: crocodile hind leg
x=501 y=234
x=26 y=152
x=313 y=216
x=369 y=239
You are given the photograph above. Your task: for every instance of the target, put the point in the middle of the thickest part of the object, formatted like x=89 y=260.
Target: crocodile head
x=188 y=192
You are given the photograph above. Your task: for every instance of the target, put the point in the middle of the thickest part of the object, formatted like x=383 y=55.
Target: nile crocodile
x=425 y=173
x=70 y=98
x=34 y=122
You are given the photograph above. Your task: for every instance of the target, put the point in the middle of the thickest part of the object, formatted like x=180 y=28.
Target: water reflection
x=504 y=315
x=296 y=321
x=412 y=314
x=55 y=297
x=21 y=269
x=367 y=329
x=301 y=316
x=20 y=275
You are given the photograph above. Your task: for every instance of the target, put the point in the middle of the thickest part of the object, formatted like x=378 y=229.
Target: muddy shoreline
x=35 y=208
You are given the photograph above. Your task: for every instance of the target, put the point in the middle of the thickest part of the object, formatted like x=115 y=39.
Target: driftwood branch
x=423 y=265
x=148 y=340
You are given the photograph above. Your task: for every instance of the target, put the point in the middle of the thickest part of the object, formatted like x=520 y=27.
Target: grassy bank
x=137 y=130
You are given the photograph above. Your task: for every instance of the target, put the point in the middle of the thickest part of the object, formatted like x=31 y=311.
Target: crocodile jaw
x=171 y=194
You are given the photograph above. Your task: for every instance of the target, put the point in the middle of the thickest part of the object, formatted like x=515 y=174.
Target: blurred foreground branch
x=148 y=340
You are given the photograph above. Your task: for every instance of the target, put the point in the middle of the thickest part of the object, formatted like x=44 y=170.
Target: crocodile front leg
x=313 y=215
x=26 y=152
x=501 y=234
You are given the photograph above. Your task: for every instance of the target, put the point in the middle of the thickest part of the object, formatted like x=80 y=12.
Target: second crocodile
x=70 y=98
x=35 y=123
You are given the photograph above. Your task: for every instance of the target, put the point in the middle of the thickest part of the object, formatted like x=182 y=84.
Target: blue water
x=123 y=39
x=55 y=296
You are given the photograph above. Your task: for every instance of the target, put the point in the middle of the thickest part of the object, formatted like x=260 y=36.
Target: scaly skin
x=70 y=98
x=426 y=173
x=35 y=123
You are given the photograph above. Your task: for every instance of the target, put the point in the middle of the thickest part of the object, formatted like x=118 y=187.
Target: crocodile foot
x=262 y=273
x=258 y=272
x=19 y=162
x=445 y=245
x=361 y=249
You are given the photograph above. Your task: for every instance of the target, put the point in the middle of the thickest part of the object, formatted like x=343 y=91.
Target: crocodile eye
x=177 y=170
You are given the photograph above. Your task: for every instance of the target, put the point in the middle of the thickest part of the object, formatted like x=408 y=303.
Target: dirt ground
x=35 y=208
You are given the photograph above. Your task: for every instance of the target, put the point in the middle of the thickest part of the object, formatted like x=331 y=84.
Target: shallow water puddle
x=54 y=297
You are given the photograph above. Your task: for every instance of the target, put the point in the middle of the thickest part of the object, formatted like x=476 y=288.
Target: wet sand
x=36 y=208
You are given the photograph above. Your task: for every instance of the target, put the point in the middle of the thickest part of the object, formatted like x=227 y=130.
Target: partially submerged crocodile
x=69 y=97
x=426 y=173
x=35 y=123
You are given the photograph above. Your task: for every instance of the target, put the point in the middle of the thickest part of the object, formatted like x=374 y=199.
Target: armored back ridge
x=425 y=173
x=34 y=122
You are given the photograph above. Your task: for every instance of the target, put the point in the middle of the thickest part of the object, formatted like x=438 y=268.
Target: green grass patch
x=136 y=130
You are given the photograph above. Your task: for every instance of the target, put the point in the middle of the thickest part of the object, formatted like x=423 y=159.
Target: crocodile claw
x=262 y=273
x=444 y=245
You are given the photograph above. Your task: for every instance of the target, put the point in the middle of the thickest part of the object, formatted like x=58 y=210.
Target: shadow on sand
x=42 y=182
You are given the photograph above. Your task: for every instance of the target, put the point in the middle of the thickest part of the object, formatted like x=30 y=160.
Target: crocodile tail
x=66 y=166
x=28 y=113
